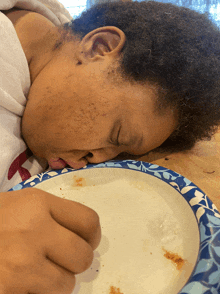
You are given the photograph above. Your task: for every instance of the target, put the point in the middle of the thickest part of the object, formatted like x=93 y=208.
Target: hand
x=44 y=242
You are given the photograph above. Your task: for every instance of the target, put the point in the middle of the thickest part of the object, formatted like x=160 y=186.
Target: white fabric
x=52 y=9
x=15 y=166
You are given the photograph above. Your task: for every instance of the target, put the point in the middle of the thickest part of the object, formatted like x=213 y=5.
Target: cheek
x=156 y=132
x=72 y=130
x=164 y=129
x=68 y=114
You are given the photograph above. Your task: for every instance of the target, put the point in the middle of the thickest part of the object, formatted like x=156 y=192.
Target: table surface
x=201 y=165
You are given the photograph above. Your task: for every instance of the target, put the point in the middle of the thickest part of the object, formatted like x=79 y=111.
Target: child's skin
x=75 y=114
x=44 y=242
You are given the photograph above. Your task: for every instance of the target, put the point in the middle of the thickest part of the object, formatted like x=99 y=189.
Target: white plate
x=146 y=222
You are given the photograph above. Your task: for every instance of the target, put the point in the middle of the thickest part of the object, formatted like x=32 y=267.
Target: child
x=126 y=77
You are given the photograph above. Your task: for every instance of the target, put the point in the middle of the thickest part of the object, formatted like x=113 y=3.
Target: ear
x=101 y=42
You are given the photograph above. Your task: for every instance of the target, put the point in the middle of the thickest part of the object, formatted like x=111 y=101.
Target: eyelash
x=117 y=142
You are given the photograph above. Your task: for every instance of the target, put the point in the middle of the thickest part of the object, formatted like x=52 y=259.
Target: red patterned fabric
x=17 y=166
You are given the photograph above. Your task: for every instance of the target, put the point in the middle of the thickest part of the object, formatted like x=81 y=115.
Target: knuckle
x=18 y=258
x=64 y=282
x=18 y=265
x=93 y=221
x=93 y=229
x=11 y=281
x=85 y=260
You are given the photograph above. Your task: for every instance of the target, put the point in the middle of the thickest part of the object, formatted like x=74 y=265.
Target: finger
x=53 y=280
x=42 y=277
x=72 y=215
x=76 y=217
x=67 y=249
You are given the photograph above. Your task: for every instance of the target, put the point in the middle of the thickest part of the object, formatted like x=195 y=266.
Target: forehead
x=99 y=88
x=136 y=93
x=104 y=84
x=139 y=97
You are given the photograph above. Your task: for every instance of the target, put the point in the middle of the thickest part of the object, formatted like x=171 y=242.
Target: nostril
x=89 y=155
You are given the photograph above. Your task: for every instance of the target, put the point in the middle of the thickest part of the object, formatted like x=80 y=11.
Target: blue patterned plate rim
x=205 y=278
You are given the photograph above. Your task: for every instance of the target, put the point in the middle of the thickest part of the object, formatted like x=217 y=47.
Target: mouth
x=58 y=163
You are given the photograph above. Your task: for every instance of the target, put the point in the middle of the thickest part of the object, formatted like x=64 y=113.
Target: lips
x=58 y=163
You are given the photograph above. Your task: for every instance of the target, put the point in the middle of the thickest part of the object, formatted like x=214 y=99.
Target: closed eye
x=117 y=139
x=114 y=138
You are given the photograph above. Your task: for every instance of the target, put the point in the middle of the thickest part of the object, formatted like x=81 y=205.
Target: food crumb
x=114 y=290
x=178 y=260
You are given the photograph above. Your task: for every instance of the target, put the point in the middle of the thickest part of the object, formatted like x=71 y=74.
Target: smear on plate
x=79 y=181
x=114 y=290
x=175 y=258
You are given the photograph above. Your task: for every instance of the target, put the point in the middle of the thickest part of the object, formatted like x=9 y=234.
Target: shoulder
x=30 y=27
x=28 y=24
x=17 y=15
x=21 y=18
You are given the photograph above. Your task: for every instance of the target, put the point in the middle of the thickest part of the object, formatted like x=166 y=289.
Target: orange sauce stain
x=114 y=290
x=178 y=260
x=79 y=181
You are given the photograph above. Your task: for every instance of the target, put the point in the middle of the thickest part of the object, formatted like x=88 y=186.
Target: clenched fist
x=44 y=242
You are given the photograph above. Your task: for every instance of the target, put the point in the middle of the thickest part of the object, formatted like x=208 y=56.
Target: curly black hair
x=175 y=47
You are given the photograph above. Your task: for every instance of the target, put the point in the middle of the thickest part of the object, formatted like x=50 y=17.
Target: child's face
x=76 y=113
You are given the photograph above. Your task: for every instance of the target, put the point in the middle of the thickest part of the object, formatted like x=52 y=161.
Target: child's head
x=155 y=73
x=175 y=47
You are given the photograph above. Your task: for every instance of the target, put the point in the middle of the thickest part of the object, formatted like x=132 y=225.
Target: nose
x=82 y=158
x=101 y=155
x=77 y=164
